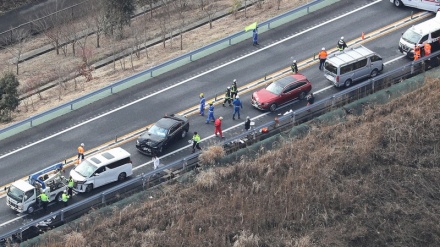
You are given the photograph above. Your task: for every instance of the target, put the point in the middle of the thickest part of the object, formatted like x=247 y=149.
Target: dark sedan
x=162 y=133
x=281 y=91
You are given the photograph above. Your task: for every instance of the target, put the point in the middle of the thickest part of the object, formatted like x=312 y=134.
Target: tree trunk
x=97 y=39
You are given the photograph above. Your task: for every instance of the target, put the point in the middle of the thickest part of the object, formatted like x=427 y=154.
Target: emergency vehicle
x=425 y=32
x=22 y=195
x=429 y=5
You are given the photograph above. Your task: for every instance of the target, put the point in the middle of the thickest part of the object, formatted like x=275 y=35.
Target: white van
x=352 y=64
x=429 y=5
x=101 y=169
x=427 y=31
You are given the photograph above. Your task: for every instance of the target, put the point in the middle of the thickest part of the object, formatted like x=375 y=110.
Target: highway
x=132 y=110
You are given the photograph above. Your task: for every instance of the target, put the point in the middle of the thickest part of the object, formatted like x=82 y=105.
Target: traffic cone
x=363 y=36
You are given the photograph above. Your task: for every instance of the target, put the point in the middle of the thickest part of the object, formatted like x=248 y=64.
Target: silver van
x=352 y=64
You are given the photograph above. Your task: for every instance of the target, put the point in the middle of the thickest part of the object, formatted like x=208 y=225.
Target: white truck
x=22 y=195
x=429 y=5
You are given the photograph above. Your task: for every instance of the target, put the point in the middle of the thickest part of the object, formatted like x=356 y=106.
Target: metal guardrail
x=160 y=69
x=284 y=123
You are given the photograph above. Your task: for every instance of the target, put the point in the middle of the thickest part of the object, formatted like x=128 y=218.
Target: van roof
x=108 y=156
x=349 y=55
x=427 y=26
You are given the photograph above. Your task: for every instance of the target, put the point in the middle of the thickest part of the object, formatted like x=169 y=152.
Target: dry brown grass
x=211 y=155
x=370 y=181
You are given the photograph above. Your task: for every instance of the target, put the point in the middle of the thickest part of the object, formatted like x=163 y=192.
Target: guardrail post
x=292 y=118
x=31 y=123
x=412 y=68
x=62 y=215
x=116 y=138
x=333 y=100
x=111 y=90
x=71 y=107
x=184 y=164
x=412 y=12
x=102 y=198
x=191 y=57
x=230 y=43
x=308 y=10
x=265 y=75
x=372 y=86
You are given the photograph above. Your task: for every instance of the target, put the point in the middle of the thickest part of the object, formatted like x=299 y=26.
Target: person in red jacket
x=218 y=126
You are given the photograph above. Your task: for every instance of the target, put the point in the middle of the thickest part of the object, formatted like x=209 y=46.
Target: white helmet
x=323 y=48
x=82 y=144
x=221 y=118
x=237 y=97
x=342 y=37
x=235 y=80
x=294 y=61
x=228 y=87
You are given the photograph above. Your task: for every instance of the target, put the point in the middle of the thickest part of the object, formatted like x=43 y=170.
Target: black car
x=162 y=133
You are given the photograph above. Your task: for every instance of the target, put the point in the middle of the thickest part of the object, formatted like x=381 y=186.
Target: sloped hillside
x=372 y=180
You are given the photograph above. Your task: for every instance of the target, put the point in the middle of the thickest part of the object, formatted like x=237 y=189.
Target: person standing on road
x=237 y=105
x=294 y=67
x=70 y=185
x=247 y=123
x=234 y=89
x=322 y=57
x=196 y=142
x=44 y=200
x=81 y=153
x=65 y=198
x=255 y=37
x=218 y=127
x=202 y=105
x=210 y=113
x=227 y=96
x=416 y=52
x=341 y=44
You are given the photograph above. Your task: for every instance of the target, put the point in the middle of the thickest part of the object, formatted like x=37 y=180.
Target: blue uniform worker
x=210 y=113
x=202 y=105
x=255 y=37
x=237 y=105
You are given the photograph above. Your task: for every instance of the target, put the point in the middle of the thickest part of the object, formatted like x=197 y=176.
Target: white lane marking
x=323 y=89
x=395 y=59
x=204 y=139
x=10 y=221
x=187 y=80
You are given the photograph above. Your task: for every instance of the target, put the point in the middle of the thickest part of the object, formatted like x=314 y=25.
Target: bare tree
x=235 y=6
x=181 y=7
x=163 y=18
x=17 y=41
x=97 y=19
x=147 y=2
x=209 y=8
x=51 y=25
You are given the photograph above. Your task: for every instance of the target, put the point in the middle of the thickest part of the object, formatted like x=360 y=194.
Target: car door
x=429 y=5
x=287 y=94
x=361 y=69
x=100 y=177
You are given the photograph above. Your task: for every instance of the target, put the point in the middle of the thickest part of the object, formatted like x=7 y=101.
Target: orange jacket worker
x=322 y=57
x=427 y=48
x=81 y=151
x=416 y=52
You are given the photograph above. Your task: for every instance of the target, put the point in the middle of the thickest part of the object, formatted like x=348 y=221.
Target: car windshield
x=411 y=37
x=158 y=131
x=85 y=169
x=15 y=193
x=275 y=88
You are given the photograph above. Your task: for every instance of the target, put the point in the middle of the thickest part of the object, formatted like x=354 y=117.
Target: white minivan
x=100 y=169
x=425 y=32
x=429 y=5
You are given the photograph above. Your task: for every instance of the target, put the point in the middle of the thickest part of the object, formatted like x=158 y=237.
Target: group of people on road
x=419 y=51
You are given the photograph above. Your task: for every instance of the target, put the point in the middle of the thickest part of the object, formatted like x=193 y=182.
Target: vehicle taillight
x=337 y=78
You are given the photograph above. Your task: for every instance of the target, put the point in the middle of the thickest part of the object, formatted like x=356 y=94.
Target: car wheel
x=347 y=83
x=184 y=132
x=89 y=188
x=374 y=73
x=273 y=107
x=397 y=3
x=122 y=177
x=302 y=95
x=31 y=209
x=59 y=197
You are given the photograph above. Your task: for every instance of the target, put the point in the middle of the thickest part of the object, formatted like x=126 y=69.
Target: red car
x=281 y=91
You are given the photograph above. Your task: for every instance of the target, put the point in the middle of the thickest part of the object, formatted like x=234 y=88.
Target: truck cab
x=429 y=5
x=22 y=195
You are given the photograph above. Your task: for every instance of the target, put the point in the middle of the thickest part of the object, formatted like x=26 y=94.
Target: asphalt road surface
x=178 y=91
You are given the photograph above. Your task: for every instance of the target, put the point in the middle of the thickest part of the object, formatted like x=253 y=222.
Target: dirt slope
x=370 y=181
